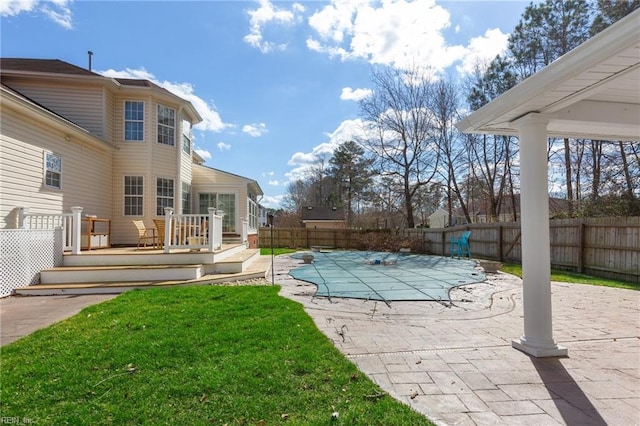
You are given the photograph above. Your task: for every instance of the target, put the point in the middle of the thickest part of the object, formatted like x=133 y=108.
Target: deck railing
x=193 y=231
x=65 y=221
x=188 y=231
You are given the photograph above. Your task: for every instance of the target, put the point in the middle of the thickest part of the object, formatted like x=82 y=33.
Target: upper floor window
x=186 y=137
x=186 y=144
x=133 y=121
x=166 y=125
x=52 y=170
x=133 y=195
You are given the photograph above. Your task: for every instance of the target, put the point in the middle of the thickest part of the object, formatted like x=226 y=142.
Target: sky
x=277 y=83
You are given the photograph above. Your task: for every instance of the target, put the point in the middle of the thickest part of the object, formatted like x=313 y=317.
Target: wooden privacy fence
x=605 y=247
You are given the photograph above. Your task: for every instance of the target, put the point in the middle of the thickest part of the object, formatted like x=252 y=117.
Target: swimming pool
x=386 y=276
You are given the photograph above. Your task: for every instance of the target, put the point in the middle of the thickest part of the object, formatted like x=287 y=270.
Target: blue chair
x=460 y=246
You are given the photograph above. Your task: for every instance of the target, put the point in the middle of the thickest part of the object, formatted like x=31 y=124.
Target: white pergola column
x=537 y=339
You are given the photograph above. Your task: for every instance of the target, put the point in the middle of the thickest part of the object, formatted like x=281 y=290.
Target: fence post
x=581 y=229
x=168 y=211
x=443 y=240
x=500 y=257
x=77 y=230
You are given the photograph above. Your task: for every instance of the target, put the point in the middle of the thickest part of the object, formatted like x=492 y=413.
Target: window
x=186 y=144
x=133 y=121
x=186 y=137
x=224 y=202
x=164 y=195
x=166 y=125
x=206 y=201
x=186 y=198
x=52 y=170
x=133 y=195
x=227 y=203
x=253 y=214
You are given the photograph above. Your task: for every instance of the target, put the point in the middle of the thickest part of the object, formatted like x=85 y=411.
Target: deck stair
x=116 y=271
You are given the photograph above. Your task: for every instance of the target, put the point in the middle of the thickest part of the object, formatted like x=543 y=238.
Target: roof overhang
x=592 y=92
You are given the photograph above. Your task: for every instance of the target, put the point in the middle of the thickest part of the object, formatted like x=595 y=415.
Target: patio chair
x=460 y=246
x=159 y=223
x=145 y=234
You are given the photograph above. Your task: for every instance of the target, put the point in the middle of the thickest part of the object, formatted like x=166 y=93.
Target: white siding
x=83 y=105
x=86 y=170
x=148 y=159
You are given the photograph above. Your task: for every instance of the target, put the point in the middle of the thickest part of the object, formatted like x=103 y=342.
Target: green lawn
x=570 y=277
x=276 y=251
x=193 y=356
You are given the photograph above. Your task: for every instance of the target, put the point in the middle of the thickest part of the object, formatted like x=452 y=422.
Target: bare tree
x=405 y=146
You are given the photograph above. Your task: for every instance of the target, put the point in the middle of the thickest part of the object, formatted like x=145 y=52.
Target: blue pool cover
x=385 y=276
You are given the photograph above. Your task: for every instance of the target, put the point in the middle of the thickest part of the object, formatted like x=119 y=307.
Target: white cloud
x=255 y=129
x=206 y=155
x=300 y=158
x=57 y=10
x=274 y=182
x=272 y=201
x=265 y=174
x=349 y=94
x=211 y=120
x=223 y=146
x=303 y=163
x=268 y=13
x=483 y=49
x=399 y=33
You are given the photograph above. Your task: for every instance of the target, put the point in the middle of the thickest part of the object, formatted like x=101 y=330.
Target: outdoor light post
x=270 y=222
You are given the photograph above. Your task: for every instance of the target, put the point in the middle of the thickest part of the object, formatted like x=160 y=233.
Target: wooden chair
x=159 y=223
x=145 y=234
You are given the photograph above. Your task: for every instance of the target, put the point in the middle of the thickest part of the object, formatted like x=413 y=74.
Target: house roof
x=322 y=213
x=54 y=66
x=65 y=70
x=591 y=92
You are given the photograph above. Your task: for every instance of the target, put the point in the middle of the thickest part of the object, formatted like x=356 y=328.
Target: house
x=324 y=217
x=478 y=209
x=439 y=219
x=120 y=148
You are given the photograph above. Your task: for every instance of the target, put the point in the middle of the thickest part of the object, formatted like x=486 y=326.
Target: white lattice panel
x=24 y=253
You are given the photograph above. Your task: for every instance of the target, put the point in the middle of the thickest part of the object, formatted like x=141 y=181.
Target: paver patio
x=454 y=362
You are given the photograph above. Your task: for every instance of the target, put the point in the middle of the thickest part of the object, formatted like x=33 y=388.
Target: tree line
x=411 y=160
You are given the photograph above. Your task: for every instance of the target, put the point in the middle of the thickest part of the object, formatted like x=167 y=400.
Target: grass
x=571 y=277
x=265 y=251
x=192 y=355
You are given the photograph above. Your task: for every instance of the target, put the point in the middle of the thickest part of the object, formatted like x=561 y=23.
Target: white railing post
x=77 y=229
x=168 y=212
x=245 y=232
x=22 y=213
x=211 y=242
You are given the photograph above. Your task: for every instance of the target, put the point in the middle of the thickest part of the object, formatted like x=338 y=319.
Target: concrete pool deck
x=454 y=362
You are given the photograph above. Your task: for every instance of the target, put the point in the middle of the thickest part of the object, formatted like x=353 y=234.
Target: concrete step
x=121 y=273
x=258 y=268
x=237 y=263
